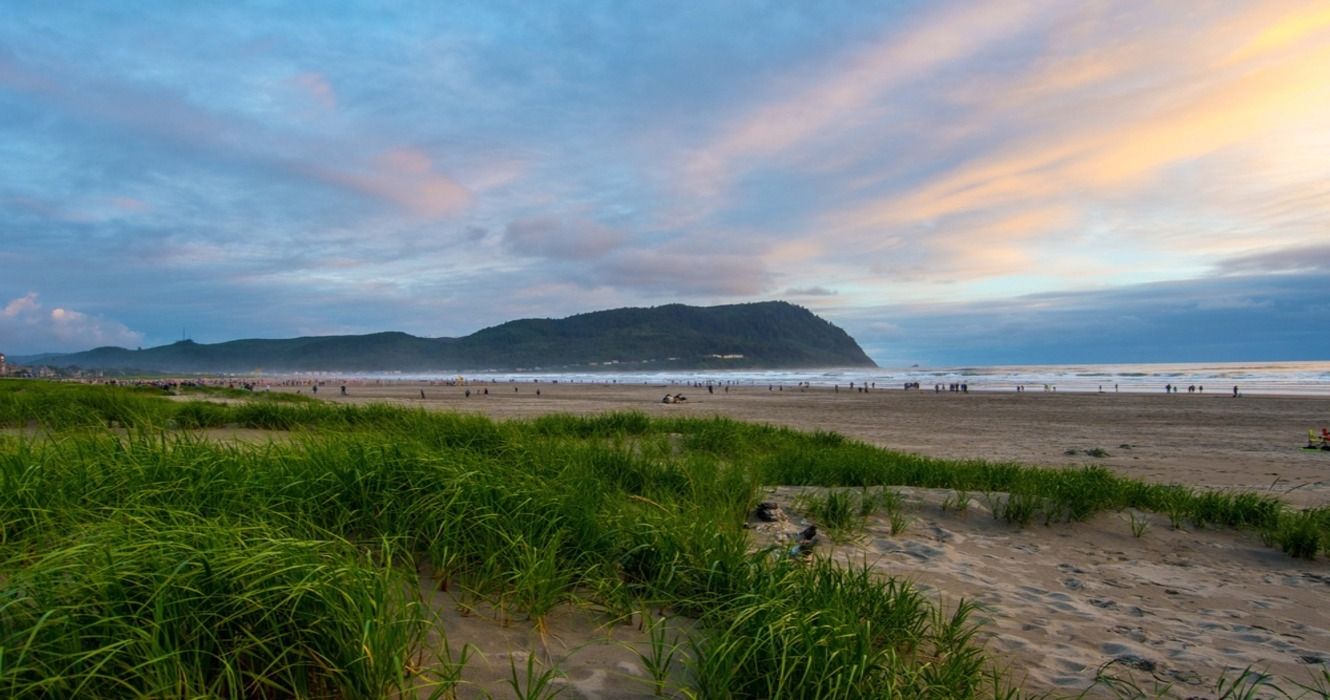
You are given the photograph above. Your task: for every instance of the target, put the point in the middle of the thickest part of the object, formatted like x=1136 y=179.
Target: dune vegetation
x=144 y=556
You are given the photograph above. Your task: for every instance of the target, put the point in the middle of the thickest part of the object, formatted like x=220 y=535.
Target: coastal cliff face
x=771 y=335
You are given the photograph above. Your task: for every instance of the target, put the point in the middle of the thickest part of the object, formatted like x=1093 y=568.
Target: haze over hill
x=771 y=334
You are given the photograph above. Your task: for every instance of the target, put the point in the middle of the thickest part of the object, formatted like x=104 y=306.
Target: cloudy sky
x=978 y=182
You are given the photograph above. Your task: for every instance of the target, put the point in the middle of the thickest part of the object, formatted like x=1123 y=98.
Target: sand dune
x=1064 y=602
x=1173 y=607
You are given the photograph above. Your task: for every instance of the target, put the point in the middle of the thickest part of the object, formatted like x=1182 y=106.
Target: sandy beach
x=1208 y=440
x=1178 y=608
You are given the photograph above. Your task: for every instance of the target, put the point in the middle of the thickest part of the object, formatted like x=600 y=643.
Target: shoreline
x=1309 y=378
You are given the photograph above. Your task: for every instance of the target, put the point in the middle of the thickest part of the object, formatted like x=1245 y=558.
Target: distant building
x=3 y=370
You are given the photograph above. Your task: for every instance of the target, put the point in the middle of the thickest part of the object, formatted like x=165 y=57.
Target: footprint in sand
x=1037 y=623
x=943 y=535
x=1070 y=665
x=886 y=546
x=1135 y=634
x=921 y=551
x=1035 y=596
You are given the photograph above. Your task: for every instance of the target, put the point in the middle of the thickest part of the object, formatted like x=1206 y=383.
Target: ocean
x=1271 y=378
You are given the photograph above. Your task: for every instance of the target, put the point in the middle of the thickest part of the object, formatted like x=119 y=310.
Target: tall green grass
x=171 y=605
x=830 y=631
x=149 y=556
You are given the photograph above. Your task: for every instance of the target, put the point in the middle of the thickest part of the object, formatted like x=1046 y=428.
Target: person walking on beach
x=1235 y=391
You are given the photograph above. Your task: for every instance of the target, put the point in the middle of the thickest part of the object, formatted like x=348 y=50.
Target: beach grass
x=137 y=552
x=170 y=604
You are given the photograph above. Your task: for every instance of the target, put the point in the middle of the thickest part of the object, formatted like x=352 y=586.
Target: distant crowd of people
x=480 y=387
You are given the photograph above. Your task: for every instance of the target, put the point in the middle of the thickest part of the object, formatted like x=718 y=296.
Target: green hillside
x=759 y=335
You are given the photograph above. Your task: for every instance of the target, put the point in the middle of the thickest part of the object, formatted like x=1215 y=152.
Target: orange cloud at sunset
x=1226 y=110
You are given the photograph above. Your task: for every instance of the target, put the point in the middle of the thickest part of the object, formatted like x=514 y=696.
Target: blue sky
x=1003 y=182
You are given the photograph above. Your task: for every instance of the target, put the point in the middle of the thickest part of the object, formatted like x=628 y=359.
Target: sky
x=1015 y=181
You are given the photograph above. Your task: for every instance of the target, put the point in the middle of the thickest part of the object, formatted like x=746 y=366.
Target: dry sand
x=1211 y=440
x=1180 y=608
x=1172 y=607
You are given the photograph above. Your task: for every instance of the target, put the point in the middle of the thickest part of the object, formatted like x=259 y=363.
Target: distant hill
x=770 y=335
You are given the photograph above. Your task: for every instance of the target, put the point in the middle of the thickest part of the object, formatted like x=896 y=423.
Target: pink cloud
x=1113 y=124
x=405 y=177
x=316 y=88
x=130 y=204
x=841 y=93
x=22 y=306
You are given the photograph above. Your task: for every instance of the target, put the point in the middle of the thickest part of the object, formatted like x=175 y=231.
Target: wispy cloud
x=1304 y=259
x=440 y=166
x=847 y=91
x=1081 y=161
x=553 y=238
x=406 y=177
x=809 y=292
x=400 y=176
x=683 y=275
x=316 y=88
